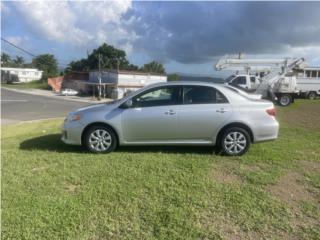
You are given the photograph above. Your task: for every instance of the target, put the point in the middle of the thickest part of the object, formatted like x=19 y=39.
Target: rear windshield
x=240 y=94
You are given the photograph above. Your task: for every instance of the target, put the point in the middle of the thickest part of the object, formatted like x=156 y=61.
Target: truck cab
x=246 y=81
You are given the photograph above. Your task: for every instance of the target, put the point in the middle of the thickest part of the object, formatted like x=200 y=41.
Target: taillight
x=271 y=111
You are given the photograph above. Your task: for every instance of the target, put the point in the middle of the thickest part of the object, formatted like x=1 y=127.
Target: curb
x=16 y=122
x=55 y=97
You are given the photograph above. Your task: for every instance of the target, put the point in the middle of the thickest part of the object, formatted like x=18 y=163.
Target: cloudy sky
x=186 y=37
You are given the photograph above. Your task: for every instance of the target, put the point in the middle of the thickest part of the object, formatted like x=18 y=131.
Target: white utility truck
x=274 y=79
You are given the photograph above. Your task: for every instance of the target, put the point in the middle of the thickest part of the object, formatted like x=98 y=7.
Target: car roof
x=179 y=82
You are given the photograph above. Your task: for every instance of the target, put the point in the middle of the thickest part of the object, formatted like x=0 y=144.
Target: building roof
x=21 y=69
x=129 y=72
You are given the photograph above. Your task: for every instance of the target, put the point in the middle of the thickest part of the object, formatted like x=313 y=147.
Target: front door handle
x=170 y=112
x=221 y=110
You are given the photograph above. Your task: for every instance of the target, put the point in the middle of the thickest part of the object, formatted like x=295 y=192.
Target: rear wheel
x=235 y=141
x=100 y=139
x=285 y=100
x=312 y=95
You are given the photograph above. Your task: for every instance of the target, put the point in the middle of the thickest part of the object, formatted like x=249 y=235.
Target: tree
x=19 y=61
x=110 y=58
x=46 y=63
x=173 y=77
x=5 y=60
x=153 y=67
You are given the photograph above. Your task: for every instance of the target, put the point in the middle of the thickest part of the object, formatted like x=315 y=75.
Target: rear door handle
x=221 y=110
x=170 y=112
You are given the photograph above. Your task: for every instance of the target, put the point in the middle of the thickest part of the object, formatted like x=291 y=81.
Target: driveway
x=16 y=107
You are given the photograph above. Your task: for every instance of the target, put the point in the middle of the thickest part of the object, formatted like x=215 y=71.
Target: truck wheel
x=312 y=95
x=285 y=100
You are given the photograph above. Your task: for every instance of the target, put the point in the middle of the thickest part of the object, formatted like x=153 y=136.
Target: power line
x=23 y=50
x=26 y=51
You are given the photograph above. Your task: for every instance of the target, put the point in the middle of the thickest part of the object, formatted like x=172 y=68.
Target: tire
x=100 y=139
x=285 y=100
x=312 y=95
x=235 y=141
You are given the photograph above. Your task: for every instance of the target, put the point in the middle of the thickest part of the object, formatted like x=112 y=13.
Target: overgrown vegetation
x=54 y=191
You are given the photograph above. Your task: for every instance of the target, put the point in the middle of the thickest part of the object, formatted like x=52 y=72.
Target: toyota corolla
x=174 y=113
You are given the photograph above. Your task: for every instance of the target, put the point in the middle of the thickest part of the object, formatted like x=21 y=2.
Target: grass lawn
x=54 y=191
x=30 y=85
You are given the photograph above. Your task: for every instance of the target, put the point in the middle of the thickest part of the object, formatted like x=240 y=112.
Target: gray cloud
x=195 y=32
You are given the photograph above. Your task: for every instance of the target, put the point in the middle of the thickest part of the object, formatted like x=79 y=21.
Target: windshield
x=230 y=78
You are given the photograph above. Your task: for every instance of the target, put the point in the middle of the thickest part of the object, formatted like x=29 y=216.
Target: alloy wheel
x=235 y=143
x=100 y=140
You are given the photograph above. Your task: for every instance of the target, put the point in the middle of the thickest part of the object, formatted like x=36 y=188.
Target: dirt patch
x=305 y=115
x=291 y=189
x=227 y=229
x=310 y=166
x=71 y=188
x=38 y=169
x=222 y=175
x=254 y=168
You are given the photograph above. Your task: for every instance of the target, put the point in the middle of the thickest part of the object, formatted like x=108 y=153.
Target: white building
x=120 y=82
x=24 y=74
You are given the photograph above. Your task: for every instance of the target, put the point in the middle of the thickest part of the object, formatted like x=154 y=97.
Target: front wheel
x=235 y=141
x=285 y=100
x=100 y=139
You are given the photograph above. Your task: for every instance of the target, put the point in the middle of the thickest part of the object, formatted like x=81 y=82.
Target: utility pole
x=99 y=97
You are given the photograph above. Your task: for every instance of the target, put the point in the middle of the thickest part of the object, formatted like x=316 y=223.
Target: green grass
x=30 y=85
x=54 y=191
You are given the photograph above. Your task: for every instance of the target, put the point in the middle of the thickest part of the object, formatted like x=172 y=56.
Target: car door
x=203 y=112
x=152 y=117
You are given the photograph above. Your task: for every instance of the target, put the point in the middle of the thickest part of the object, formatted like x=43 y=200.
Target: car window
x=252 y=79
x=202 y=95
x=161 y=96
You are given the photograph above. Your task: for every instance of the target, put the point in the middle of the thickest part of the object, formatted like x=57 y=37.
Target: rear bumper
x=267 y=131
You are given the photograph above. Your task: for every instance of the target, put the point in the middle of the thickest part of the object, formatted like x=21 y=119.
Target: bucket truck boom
x=273 y=78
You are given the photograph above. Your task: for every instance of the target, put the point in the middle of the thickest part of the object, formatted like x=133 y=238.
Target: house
x=21 y=74
x=116 y=83
x=73 y=80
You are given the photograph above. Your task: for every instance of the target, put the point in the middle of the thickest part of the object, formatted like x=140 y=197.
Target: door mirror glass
x=127 y=104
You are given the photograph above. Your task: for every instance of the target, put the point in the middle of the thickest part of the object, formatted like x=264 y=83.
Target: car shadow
x=204 y=150
x=52 y=142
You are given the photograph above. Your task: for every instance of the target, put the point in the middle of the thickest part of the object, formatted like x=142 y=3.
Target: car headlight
x=72 y=118
x=75 y=117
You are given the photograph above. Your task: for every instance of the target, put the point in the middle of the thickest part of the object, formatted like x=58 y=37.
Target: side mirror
x=127 y=104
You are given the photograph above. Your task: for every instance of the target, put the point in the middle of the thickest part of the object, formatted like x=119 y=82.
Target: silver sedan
x=174 y=113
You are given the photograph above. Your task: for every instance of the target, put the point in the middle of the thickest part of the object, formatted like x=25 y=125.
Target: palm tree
x=5 y=60
x=19 y=61
x=153 y=67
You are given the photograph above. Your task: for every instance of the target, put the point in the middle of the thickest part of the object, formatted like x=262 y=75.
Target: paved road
x=16 y=107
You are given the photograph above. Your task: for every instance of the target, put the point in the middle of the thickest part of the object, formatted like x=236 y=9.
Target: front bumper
x=71 y=132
